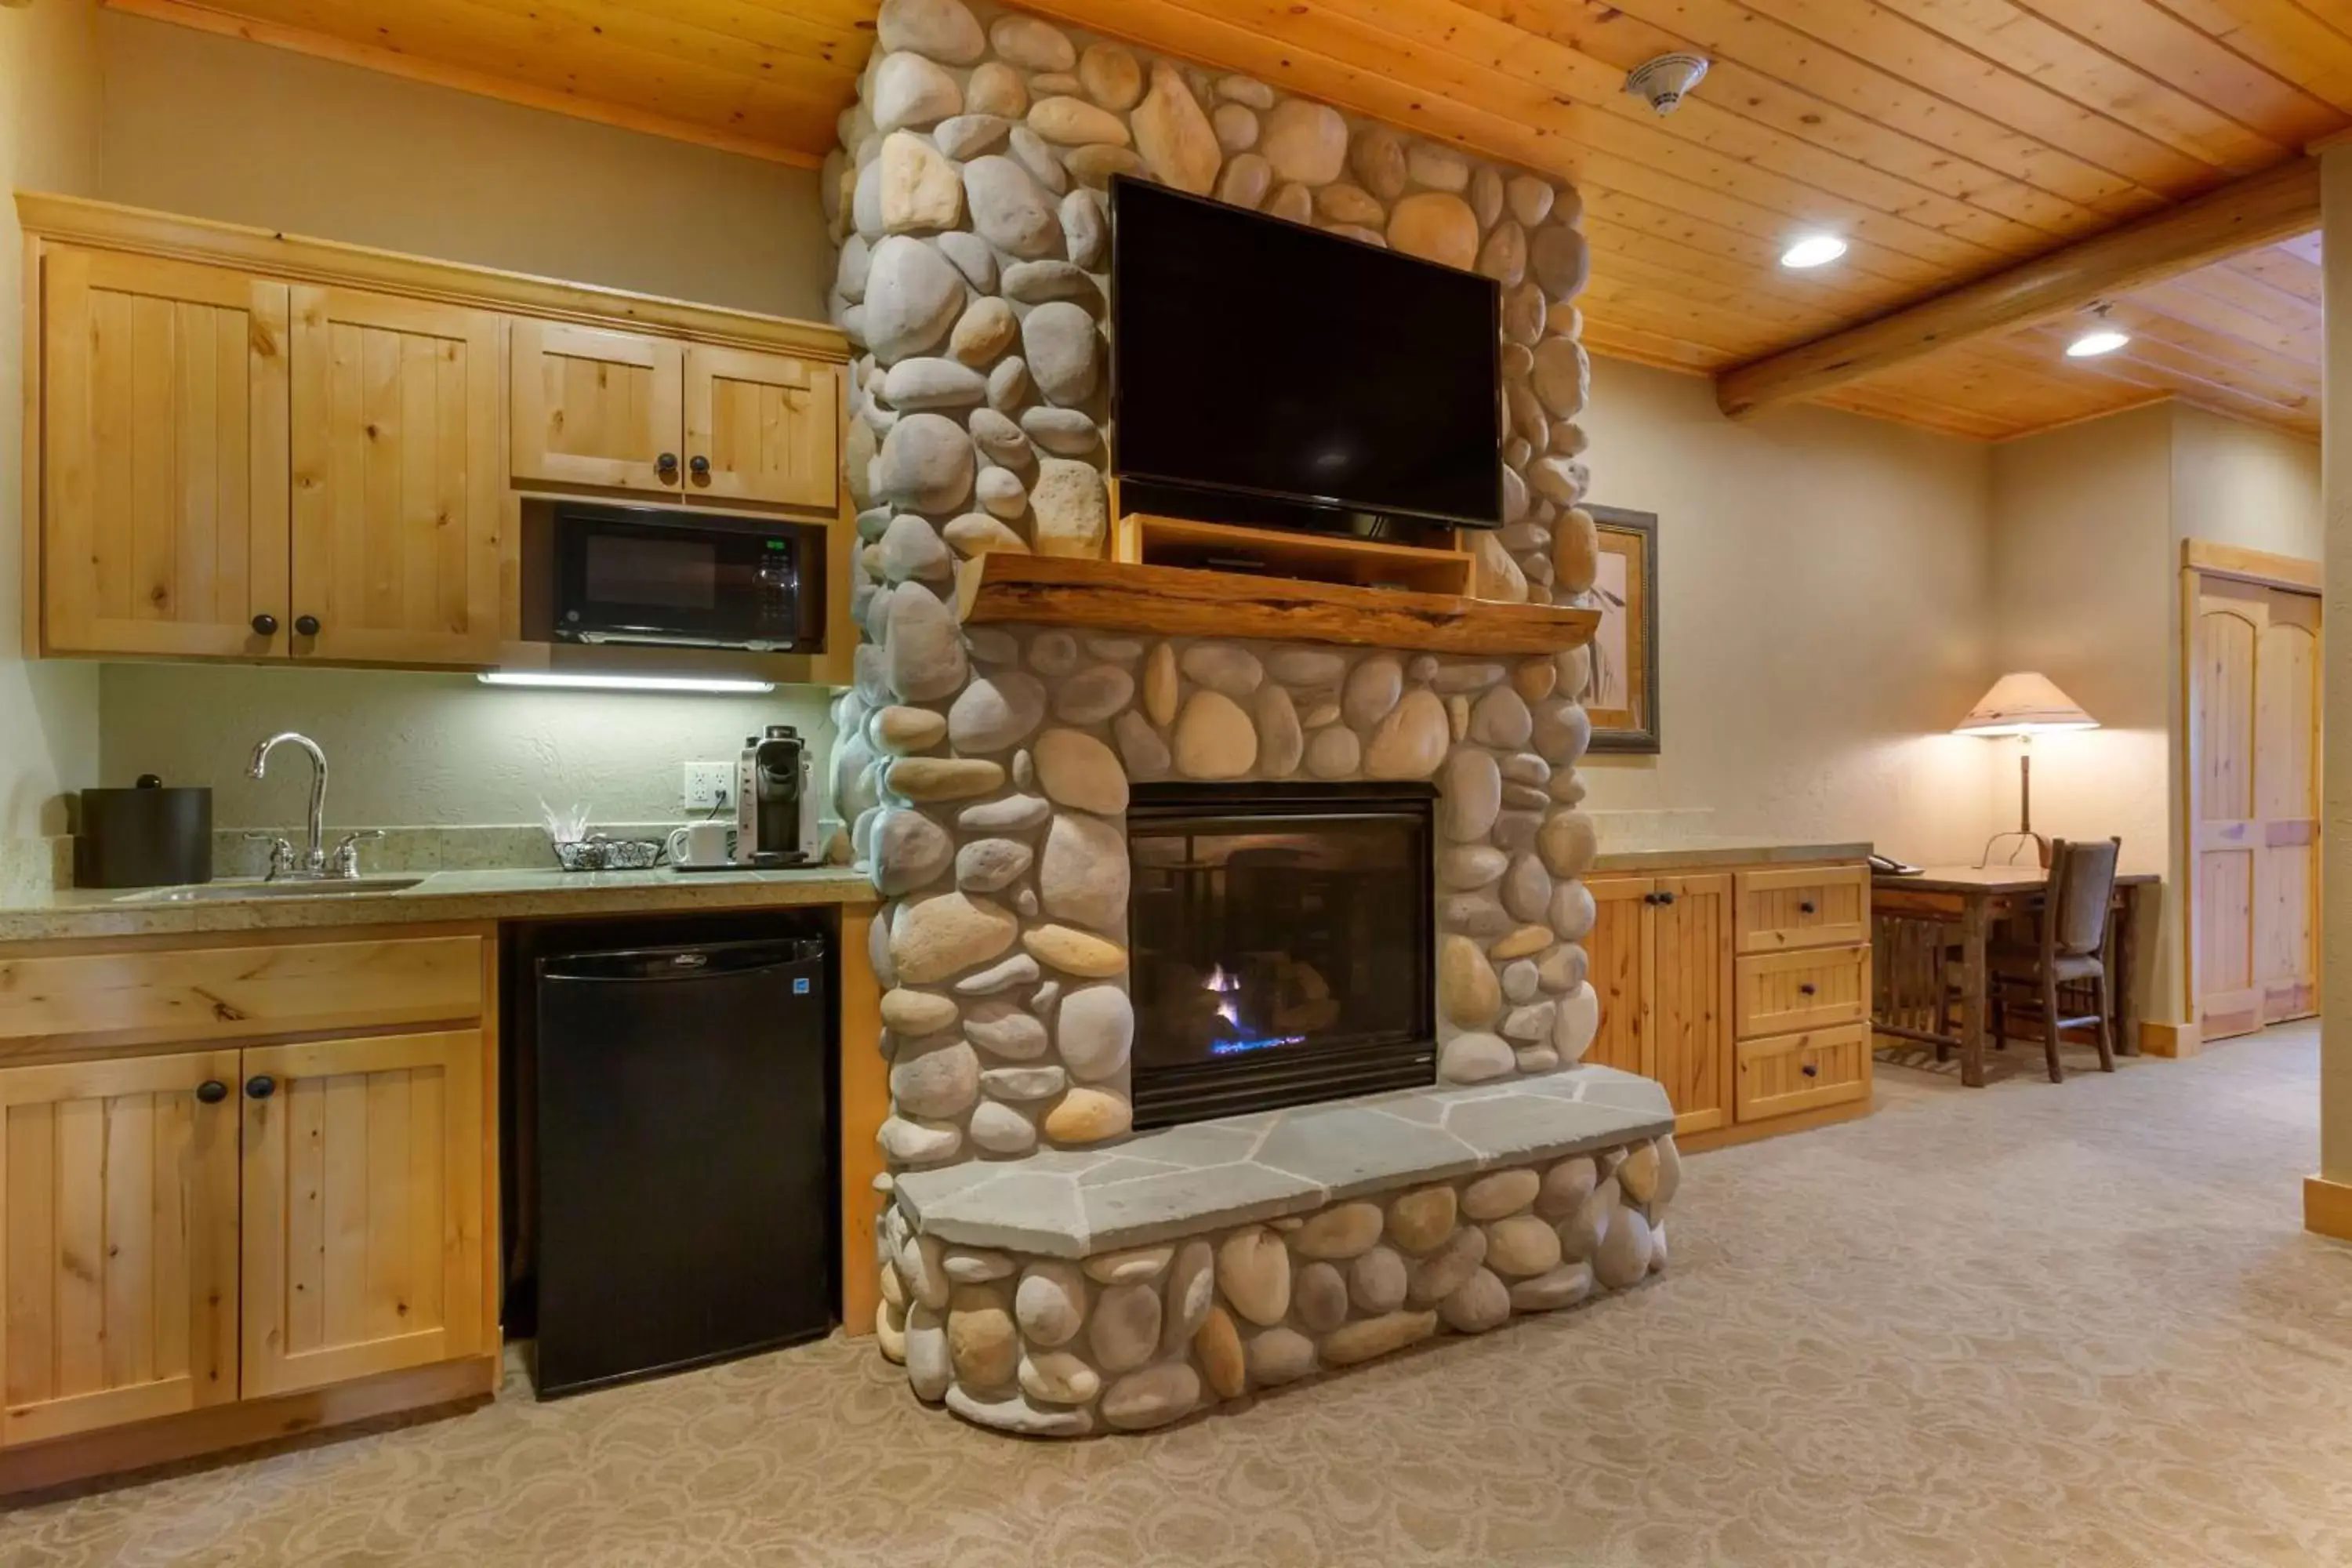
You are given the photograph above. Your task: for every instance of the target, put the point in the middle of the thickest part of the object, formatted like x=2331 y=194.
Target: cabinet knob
x=1806 y=907
x=700 y=465
x=261 y=1085
x=1806 y=989
x=211 y=1091
x=667 y=464
x=1666 y=898
x=265 y=625
x=308 y=626
x=1810 y=1070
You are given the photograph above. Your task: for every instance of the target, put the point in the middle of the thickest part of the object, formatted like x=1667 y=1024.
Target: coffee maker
x=775 y=801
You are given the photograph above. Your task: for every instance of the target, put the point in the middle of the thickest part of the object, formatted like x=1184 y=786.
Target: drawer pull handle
x=211 y=1091
x=1810 y=1070
x=1806 y=907
x=1807 y=989
x=261 y=1085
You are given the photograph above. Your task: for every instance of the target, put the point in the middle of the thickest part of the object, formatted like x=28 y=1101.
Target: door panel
x=396 y=478
x=363 y=1224
x=595 y=408
x=1690 y=1001
x=118 y=1242
x=2286 y=802
x=164 y=406
x=768 y=426
x=1616 y=951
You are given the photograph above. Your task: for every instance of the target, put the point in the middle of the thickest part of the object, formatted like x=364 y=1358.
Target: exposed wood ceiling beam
x=2277 y=204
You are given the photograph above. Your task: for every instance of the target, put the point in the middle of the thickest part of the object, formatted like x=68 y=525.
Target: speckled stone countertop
x=438 y=896
x=1702 y=854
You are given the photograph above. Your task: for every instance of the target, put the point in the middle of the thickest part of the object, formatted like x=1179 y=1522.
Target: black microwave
x=681 y=579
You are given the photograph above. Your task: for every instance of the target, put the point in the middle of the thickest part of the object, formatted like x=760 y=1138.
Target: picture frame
x=1622 y=697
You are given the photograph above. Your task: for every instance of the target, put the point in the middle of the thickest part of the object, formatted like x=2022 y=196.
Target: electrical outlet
x=710 y=785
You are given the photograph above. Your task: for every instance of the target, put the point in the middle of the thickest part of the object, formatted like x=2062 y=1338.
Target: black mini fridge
x=682 y=1157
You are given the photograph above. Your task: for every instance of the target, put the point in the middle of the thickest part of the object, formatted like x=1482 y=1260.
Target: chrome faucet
x=314 y=864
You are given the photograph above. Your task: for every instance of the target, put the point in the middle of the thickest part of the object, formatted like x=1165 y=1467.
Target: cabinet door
x=164 y=457
x=364 y=1167
x=763 y=427
x=592 y=408
x=1691 y=996
x=397 y=485
x=1617 y=954
x=118 y=1241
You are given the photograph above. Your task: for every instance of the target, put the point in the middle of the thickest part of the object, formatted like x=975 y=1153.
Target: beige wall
x=49 y=140
x=1822 y=580
x=2235 y=483
x=347 y=154
x=221 y=129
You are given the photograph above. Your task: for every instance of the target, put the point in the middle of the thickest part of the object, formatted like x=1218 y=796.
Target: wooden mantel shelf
x=1176 y=601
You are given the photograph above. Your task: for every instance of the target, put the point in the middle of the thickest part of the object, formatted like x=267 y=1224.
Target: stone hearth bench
x=1128 y=1286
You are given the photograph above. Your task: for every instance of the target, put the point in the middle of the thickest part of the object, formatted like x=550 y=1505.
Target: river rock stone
x=1560 y=259
x=1254 y=1273
x=1320 y=1296
x=1248 y=178
x=964 y=136
x=1339 y=1232
x=1174 y=136
x=1499 y=1193
x=929 y=1370
x=1563 y=376
x=1306 y=667
x=1523 y=314
x=1040 y=282
x=1068 y=513
x=1280 y=741
x=1526 y=889
x=1582 y=1231
x=1376 y=1280
x=940 y=937
x=1562 y=732
x=1050 y=1302
x=912 y=298
x=1372 y=689
x=1009 y=209
x=1410 y=742
x=1638 y=1174
x=1059 y=342
x=1467 y=991
x=909 y=851
x=1015 y=1414
x=1219 y=1346
x=1578 y=1022
x=1139 y=747
x=911 y=547
x=1562 y=1287
x=924 y=650
x=1350 y=204
x=1575 y=556
x=1439 y=168
x=1001 y=1130
x=1031 y=44
x=969 y=256
x=1573 y=911
x=1470 y=793
x=1448 y=1269
x=1420 y=1219
x=1084 y=232
x=981 y=1344
x=916 y=1012
x=1435 y=227
x=1500 y=719
x=1066 y=432
x=1481 y=1302
x=1015 y=814
x=1123 y=1330
x=926 y=464
x=1561 y=969
x=1005 y=1030
x=1069 y=122
x=1470 y=865
x=1624 y=1254
x=1530 y=198
x=996 y=711
x=1567 y=843
x=910 y=92
x=1520 y=944
x=1334 y=752
x=1085 y=1116
x=897 y=731
x=1475 y=1058
x=1379 y=162
x=1024 y=1083
x=1221 y=666
x=1152 y=1397
x=1370 y=1338
x=1082 y=875
x=1284 y=1355
x=1058 y=1377
x=1078 y=770
x=1094 y=166
x=1235 y=127
x=905 y=1141
x=1214 y=738
x=1096 y=1030
x=1305 y=141
x=1522 y=1247
x=1529 y=1027
x=943 y=29
x=919 y=189
x=1094 y=695
x=1190 y=1291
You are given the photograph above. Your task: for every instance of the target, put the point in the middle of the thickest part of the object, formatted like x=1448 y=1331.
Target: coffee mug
x=700 y=843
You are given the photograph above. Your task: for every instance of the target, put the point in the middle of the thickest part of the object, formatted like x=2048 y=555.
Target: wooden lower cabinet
x=232 y=1224
x=1745 y=991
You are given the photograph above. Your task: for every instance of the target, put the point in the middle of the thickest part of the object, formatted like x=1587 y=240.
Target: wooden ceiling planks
x=1944 y=139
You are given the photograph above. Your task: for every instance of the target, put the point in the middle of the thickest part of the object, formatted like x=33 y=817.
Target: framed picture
x=1622 y=698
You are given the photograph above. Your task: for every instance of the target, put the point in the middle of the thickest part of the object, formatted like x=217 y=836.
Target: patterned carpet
x=2035 y=1324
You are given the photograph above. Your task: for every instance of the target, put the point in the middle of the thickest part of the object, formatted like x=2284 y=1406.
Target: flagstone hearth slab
x=1182 y=1181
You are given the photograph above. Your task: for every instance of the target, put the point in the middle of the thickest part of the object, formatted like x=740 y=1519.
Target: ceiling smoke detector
x=1665 y=79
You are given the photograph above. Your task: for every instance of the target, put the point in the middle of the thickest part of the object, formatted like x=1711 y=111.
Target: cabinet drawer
x=1808 y=988
x=1788 y=1073
x=165 y=996
x=1804 y=906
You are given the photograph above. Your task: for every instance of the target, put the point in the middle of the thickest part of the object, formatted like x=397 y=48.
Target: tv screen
x=1253 y=356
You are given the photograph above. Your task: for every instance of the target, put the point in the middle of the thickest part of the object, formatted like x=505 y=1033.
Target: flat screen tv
x=1255 y=359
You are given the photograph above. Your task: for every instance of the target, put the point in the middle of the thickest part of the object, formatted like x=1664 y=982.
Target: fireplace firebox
x=1282 y=944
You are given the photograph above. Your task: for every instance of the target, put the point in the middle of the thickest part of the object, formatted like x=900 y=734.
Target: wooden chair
x=2072 y=950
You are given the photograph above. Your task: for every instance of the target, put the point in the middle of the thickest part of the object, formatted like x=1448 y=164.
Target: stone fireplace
x=1232 y=987
x=1281 y=944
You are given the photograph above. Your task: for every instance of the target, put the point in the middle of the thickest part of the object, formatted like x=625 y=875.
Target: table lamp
x=2025 y=705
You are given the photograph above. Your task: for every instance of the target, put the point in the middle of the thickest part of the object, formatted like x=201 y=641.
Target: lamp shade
x=2025 y=703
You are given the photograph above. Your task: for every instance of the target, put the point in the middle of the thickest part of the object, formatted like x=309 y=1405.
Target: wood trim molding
x=458 y=79
x=106 y=225
x=2327 y=1207
x=2276 y=203
x=2290 y=573
x=2178 y=1041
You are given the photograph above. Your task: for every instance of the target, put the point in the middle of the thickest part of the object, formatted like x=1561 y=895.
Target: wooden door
x=365 y=1166
x=397 y=487
x=1617 y=954
x=1690 y=996
x=763 y=427
x=2253 y=807
x=162 y=408
x=589 y=406
x=118 y=1241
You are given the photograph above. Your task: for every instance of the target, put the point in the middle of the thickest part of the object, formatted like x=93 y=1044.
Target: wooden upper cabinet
x=164 y=450
x=590 y=406
x=763 y=427
x=118 y=1241
x=364 y=1165
x=397 y=479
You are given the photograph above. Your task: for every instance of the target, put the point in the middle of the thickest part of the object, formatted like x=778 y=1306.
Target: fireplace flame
x=1227 y=986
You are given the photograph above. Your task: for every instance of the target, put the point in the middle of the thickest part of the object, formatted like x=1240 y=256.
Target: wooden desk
x=1911 y=926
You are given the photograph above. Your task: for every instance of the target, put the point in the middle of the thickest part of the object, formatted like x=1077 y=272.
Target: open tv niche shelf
x=1178 y=601
x=1146 y=540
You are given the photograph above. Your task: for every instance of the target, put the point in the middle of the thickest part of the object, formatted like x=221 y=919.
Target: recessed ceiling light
x=1813 y=250
x=2099 y=340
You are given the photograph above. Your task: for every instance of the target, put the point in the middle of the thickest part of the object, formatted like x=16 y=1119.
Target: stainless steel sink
x=226 y=892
